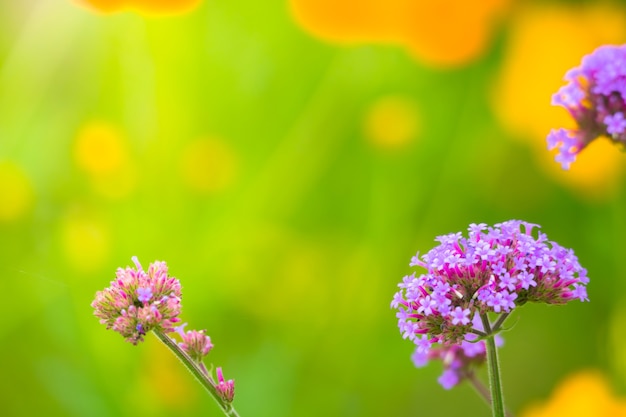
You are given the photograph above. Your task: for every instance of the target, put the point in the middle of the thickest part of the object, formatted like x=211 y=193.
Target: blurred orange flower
x=584 y=394
x=149 y=7
x=543 y=44
x=439 y=33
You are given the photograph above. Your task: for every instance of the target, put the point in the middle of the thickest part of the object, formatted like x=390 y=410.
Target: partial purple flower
x=144 y=294
x=459 y=360
x=137 y=301
x=595 y=96
x=494 y=270
x=225 y=388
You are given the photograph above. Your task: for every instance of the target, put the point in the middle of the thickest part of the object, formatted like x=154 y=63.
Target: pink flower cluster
x=138 y=301
x=225 y=388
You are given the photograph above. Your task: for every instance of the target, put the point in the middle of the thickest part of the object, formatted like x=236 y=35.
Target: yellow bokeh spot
x=208 y=165
x=85 y=240
x=147 y=7
x=543 y=44
x=391 y=122
x=584 y=394
x=101 y=151
x=440 y=33
x=16 y=192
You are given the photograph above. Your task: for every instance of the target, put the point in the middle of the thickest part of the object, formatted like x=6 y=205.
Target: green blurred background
x=286 y=179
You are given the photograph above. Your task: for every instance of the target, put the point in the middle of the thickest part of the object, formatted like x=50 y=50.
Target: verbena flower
x=595 y=96
x=225 y=388
x=137 y=301
x=459 y=360
x=493 y=270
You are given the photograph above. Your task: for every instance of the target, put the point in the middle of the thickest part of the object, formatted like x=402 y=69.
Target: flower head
x=595 y=96
x=493 y=270
x=137 y=301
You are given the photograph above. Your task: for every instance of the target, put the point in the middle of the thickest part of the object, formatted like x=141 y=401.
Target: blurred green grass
x=291 y=265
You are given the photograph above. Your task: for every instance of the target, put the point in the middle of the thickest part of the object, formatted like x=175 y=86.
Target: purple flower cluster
x=138 y=301
x=595 y=96
x=494 y=270
x=459 y=360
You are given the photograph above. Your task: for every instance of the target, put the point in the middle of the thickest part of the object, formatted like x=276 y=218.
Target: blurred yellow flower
x=440 y=33
x=543 y=44
x=99 y=149
x=148 y=7
x=16 y=192
x=584 y=394
x=391 y=122
x=208 y=165
x=102 y=153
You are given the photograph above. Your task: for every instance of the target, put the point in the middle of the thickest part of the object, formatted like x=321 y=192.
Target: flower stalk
x=493 y=368
x=199 y=371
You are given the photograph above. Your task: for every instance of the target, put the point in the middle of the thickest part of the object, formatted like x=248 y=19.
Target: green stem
x=482 y=390
x=497 y=403
x=198 y=371
x=496 y=326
